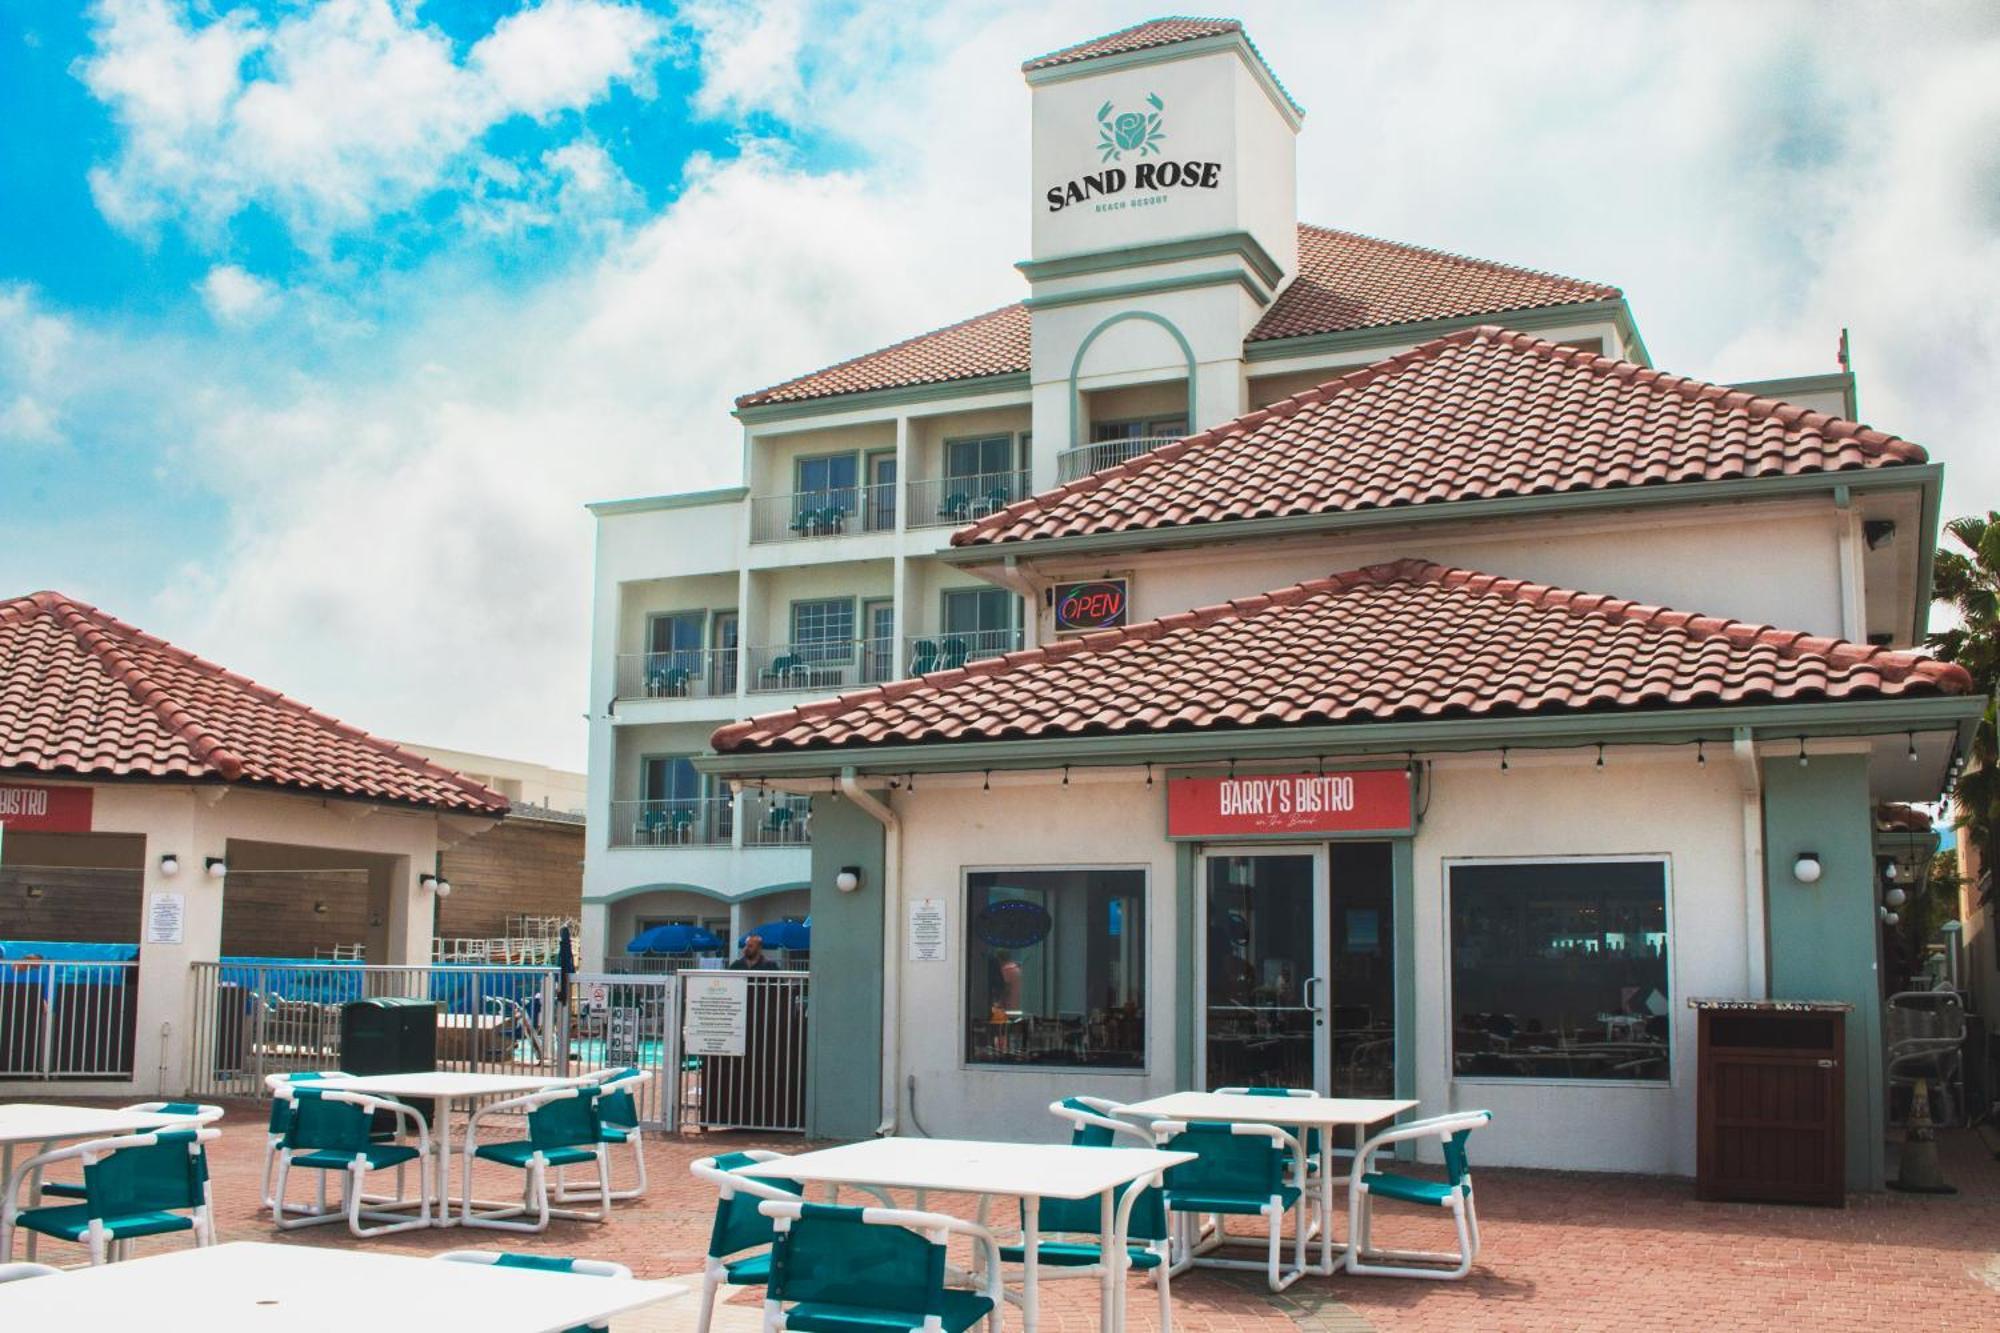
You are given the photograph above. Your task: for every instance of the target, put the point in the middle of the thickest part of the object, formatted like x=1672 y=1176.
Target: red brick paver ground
x=1562 y=1251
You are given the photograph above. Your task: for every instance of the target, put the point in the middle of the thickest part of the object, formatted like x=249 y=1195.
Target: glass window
x=823 y=631
x=835 y=474
x=1559 y=970
x=981 y=620
x=675 y=641
x=1139 y=428
x=989 y=457
x=1056 y=968
x=671 y=778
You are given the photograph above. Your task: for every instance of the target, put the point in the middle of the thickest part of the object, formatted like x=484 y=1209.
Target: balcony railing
x=1086 y=459
x=950 y=501
x=925 y=653
x=838 y=512
x=773 y=819
x=707 y=821
x=824 y=664
x=684 y=673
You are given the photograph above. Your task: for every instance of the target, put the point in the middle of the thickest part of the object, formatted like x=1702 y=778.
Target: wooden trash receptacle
x=1772 y=1123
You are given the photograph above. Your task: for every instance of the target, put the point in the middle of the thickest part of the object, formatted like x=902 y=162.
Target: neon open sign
x=1098 y=604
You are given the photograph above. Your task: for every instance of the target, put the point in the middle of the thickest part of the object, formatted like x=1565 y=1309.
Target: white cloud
x=34 y=352
x=236 y=296
x=752 y=51
x=331 y=114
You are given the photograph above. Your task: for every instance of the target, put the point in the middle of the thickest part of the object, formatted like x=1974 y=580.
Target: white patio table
x=451 y=1092
x=1028 y=1171
x=255 y=1288
x=1326 y=1114
x=45 y=1124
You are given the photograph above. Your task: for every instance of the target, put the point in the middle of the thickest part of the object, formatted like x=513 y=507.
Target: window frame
x=793 y=642
x=705 y=785
x=703 y=632
x=1015 y=612
x=1011 y=439
x=1674 y=1062
x=799 y=464
x=1147 y=986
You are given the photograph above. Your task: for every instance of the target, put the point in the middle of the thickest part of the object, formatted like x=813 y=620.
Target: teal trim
x=870 y=400
x=1187 y=977
x=788 y=886
x=1238 y=243
x=1825 y=937
x=1785 y=387
x=1300 y=744
x=702 y=890
x=1403 y=919
x=1688 y=493
x=844 y=1056
x=1528 y=320
x=684 y=500
x=1083 y=349
x=1238 y=42
x=1153 y=287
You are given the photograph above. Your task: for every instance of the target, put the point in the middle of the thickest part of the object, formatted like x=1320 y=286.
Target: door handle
x=1828 y=1064
x=1318 y=1010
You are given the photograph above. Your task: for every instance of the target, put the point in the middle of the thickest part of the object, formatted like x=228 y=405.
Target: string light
x=1322 y=765
x=1065 y=775
x=1803 y=761
x=1149 y=777
x=910 y=782
x=1600 y=754
x=988 y=784
x=1232 y=770
x=1503 y=759
x=1913 y=747
x=1701 y=753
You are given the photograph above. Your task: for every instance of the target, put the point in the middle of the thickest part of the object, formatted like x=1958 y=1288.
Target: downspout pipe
x=892 y=919
x=1750 y=784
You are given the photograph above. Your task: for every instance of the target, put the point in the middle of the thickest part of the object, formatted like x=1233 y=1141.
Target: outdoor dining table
x=1029 y=1171
x=1326 y=1114
x=45 y=1124
x=245 y=1287
x=450 y=1091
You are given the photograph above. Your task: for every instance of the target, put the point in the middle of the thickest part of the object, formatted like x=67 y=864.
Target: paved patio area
x=1562 y=1251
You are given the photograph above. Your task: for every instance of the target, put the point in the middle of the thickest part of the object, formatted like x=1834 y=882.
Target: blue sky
x=320 y=320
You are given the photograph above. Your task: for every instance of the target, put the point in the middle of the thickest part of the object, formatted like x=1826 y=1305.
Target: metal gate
x=745 y=1038
x=618 y=1020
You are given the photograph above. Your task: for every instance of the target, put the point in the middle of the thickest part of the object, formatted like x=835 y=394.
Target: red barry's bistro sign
x=25 y=809
x=1262 y=805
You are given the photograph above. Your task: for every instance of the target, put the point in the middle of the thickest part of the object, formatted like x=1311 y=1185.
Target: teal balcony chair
x=564 y=1129
x=543 y=1263
x=148 y=1184
x=839 y=1269
x=618 y=1125
x=1238 y=1171
x=1453 y=1193
x=956 y=507
x=923 y=657
x=196 y=1113
x=332 y=1130
x=787 y=670
x=1094 y=1123
x=952 y=654
x=739 y=1241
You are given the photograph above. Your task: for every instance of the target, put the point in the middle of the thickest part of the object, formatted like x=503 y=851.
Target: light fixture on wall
x=444 y=888
x=1806 y=870
x=217 y=867
x=427 y=881
x=1895 y=897
x=170 y=865
x=319 y=909
x=848 y=880
x=36 y=890
x=437 y=884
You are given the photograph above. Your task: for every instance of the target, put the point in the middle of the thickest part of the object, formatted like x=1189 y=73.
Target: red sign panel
x=45 y=809
x=1373 y=800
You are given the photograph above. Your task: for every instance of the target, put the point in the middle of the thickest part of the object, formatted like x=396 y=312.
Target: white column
x=168 y=820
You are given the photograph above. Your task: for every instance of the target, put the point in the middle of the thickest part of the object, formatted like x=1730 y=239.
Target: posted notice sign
x=1263 y=805
x=32 y=809
x=718 y=1012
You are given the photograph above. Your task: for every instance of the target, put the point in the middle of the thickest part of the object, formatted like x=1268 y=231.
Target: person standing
x=753 y=958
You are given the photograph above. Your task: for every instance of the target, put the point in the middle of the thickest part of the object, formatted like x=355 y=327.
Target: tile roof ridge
x=1879 y=443
x=1280 y=410
x=104 y=637
x=1228 y=24
x=756 y=396
x=114 y=634
x=1607 y=290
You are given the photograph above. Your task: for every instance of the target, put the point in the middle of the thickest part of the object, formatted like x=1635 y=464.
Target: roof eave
x=1742 y=489
x=1237 y=41
x=902 y=395
x=1526 y=319
x=1956 y=713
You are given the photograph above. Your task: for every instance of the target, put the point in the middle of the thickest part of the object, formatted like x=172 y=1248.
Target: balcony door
x=878 y=619
x=881 y=503
x=978 y=622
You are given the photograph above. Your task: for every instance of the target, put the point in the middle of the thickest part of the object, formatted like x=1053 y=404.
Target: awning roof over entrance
x=83 y=694
x=1410 y=641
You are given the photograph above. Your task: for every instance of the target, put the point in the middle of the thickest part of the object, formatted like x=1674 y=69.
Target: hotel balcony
x=683 y=673
x=839 y=512
x=952 y=501
x=705 y=821
x=1088 y=458
x=773 y=819
x=846 y=664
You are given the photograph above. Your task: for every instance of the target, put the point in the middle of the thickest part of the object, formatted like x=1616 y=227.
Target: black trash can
x=390 y=1034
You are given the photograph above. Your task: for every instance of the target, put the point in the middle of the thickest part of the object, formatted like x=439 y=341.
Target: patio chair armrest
x=527 y=1102
x=1433 y=1127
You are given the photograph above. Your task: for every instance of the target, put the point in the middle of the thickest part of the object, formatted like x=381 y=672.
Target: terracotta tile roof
x=1479 y=414
x=1410 y=641
x=1345 y=281
x=1350 y=281
x=85 y=695
x=1139 y=37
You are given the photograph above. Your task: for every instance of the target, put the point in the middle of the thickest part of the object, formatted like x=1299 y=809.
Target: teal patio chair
x=739 y=1240
x=542 y=1263
x=1453 y=1193
x=564 y=1129
x=148 y=1184
x=957 y=507
x=952 y=654
x=923 y=657
x=1315 y=1157
x=1071 y=1241
x=670 y=681
x=787 y=669
x=281 y=1119
x=1094 y=1123
x=618 y=1124
x=196 y=1113
x=1239 y=1171
x=331 y=1130
x=839 y=1269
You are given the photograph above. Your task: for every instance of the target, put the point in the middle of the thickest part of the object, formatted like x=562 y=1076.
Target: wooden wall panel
x=519 y=867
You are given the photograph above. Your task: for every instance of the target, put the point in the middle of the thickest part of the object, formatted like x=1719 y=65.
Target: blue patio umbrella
x=781 y=935
x=675 y=939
